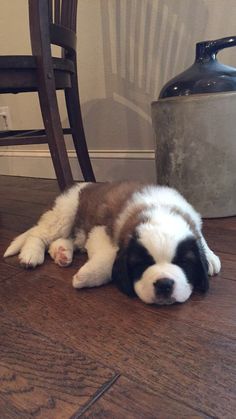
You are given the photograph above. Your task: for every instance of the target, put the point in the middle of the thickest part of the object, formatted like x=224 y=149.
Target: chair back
x=63 y=13
x=53 y=22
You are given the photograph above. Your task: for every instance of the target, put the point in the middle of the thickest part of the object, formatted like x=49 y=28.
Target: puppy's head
x=161 y=267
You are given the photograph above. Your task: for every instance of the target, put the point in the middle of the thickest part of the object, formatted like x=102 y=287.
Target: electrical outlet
x=5 y=119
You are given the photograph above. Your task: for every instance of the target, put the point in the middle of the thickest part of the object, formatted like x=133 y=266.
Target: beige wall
x=127 y=49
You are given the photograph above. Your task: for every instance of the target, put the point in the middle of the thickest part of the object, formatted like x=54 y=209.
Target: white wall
x=127 y=50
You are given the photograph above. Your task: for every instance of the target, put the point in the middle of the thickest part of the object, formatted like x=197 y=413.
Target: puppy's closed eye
x=138 y=259
x=189 y=256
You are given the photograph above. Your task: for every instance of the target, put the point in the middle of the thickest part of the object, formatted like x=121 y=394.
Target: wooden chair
x=51 y=22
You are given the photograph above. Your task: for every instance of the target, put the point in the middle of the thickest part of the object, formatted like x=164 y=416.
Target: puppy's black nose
x=164 y=287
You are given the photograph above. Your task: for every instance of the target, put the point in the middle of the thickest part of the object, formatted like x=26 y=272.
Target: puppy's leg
x=213 y=260
x=53 y=224
x=101 y=254
x=61 y=251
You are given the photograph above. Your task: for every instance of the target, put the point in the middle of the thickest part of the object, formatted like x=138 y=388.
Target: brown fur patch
x=101 y=204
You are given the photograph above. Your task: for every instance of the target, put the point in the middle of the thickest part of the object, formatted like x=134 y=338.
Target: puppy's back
x=101 y=203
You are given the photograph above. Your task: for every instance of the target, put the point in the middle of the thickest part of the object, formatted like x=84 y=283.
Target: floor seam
x=93 y=399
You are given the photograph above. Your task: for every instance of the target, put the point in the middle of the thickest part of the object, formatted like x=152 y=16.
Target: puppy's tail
x=16 y=245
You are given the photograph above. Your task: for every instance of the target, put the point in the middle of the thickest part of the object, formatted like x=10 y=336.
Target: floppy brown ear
x=120 y=274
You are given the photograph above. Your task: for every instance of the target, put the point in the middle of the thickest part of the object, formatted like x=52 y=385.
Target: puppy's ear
x=202 y=279
x=120 y=274
x=191 y=258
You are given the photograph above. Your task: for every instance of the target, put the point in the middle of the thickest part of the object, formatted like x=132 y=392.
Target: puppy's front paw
x=61 y=251
x=91 y=274
x=32 y=253
x=83 y=278
x=214 y=264
x=30 y=259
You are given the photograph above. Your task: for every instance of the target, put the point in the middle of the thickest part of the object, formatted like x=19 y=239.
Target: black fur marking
x=190 y=257
x=129 y=266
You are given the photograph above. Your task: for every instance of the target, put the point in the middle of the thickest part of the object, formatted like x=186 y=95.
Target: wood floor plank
x=20 y=399
x=16 y=223
x=12 y=182
x=221 y=240
x=45 y=196
x=227 y=223
x=7 y=271
x=19 y=207
x=40 y=376
x=200 y=309
x=163 y=352
x=228 y=261
x=127 y=399
x=7 y=234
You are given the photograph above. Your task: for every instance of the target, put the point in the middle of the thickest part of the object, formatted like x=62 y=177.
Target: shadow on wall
x=145 y=43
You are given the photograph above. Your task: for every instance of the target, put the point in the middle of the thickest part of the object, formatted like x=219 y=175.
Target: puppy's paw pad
x=214 y=264
x=30 y=260
x=61 y=251
x=62 y=256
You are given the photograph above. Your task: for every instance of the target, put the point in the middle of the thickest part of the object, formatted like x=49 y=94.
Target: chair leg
x=76 y=124
x=53 y=128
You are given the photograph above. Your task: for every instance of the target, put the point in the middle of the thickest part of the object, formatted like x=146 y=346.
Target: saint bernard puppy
x=145 y=238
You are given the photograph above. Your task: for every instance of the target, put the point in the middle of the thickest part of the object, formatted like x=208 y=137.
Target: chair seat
x=18 y=73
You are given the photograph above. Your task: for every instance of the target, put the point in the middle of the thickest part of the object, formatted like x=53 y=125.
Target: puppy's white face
x=162 y=264
x=163 y=284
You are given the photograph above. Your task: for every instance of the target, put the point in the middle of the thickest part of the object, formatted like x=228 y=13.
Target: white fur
x=32 y=252
x=144 y=288
x=214 y=264
x=16 y=244
x=80 y=239
x=161 y=235
x=165 y=197
x=54 y=224
x=159 y=199
x=61 y=251
x=101 y=254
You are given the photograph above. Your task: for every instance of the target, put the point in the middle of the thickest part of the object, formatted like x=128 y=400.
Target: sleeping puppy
x=145 y=238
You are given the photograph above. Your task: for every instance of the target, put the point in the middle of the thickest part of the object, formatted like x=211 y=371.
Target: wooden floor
x=98 y=354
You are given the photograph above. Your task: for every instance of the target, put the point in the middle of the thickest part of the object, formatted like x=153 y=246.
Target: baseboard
x=108 y=164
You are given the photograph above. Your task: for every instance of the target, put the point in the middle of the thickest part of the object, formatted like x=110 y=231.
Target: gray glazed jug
x=194 y=123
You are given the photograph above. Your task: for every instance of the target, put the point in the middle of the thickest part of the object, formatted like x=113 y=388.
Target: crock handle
x=209 y=49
